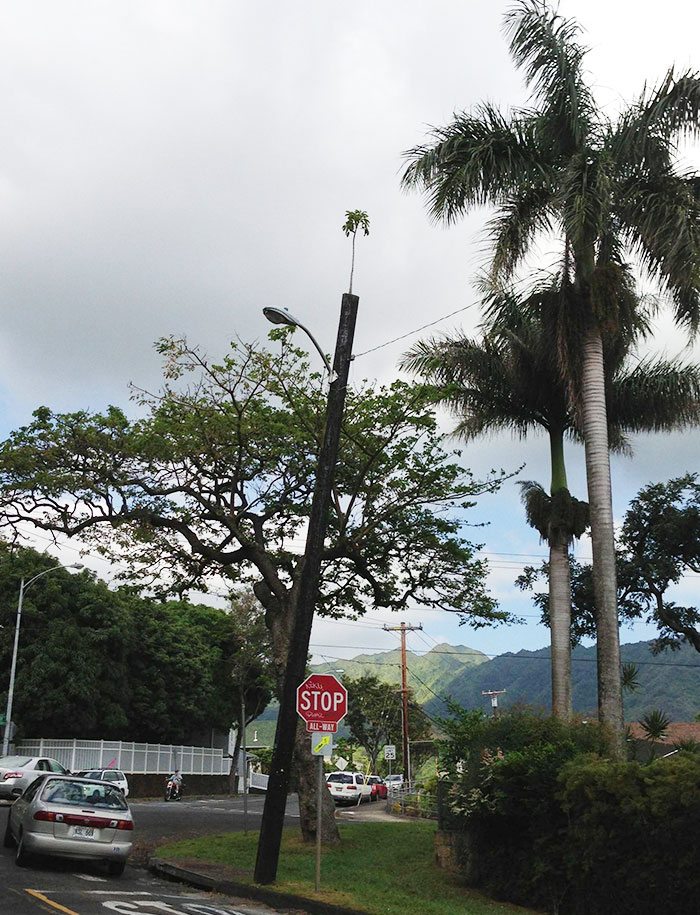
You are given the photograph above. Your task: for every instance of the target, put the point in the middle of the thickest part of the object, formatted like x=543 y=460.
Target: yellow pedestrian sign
x=322 y=744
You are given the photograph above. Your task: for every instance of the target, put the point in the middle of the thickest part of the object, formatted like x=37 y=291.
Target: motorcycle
x=173 y=790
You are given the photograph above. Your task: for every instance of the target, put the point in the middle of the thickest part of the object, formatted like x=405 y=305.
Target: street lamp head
x=280 y=316
x=76 y=565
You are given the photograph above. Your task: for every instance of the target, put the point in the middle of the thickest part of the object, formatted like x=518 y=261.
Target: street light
x=10 y=694
x=282 y=316
x=278 y=782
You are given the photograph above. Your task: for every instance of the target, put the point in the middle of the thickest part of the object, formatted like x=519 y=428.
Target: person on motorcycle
x=176 y=780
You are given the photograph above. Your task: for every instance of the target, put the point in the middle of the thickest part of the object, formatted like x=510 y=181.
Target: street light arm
x=320 y=351
x=75 y=565
x=282 y=316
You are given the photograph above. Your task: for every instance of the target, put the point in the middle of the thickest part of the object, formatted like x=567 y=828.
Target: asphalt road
x=77 y=888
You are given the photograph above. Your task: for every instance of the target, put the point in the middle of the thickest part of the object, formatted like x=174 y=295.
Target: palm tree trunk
x=595 y=432
x=559 y=591
x=560 y=625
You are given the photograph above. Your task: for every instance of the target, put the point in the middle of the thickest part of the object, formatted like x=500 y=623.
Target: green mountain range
x=669 y=681
x=427 y=674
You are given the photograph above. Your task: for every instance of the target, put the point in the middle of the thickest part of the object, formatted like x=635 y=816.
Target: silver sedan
x=71 y=817
x=18 y=772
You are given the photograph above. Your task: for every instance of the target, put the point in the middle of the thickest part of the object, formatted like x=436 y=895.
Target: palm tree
x=655 y=726
x=607 y=189
x=510 y=380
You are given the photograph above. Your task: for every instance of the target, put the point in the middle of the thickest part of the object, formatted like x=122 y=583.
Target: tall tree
x=161 y=669
x=251 y=672
x=510 y=380
x=658 y=544
x=215 y=479
x=605 y=188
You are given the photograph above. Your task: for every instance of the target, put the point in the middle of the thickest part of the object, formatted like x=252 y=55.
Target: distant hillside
x=427 y=673
x=670 y=681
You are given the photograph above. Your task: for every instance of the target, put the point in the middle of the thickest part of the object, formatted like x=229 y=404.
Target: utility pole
x=278 y=784
x=494 y=693
x=403 y=629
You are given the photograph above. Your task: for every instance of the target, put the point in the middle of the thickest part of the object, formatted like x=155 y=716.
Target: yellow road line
x=55 y=905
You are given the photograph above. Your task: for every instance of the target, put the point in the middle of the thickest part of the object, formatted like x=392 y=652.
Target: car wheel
x=9 y=840
x=115 y=868
x=22 y=856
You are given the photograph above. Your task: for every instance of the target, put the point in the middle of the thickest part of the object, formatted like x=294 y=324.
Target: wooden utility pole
x=278 y=784
x=403 y=629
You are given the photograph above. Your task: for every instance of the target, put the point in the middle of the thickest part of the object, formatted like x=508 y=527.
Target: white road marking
x=92 y=878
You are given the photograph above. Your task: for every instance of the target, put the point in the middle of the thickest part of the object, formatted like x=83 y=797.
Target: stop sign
x=322 y=702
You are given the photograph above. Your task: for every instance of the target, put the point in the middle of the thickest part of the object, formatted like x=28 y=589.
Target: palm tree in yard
x=607 y=190
x=510 y=380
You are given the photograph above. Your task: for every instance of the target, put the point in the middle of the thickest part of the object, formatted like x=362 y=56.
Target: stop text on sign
x=322 y=702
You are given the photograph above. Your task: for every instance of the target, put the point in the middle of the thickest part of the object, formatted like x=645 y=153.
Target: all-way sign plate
x=330 y=727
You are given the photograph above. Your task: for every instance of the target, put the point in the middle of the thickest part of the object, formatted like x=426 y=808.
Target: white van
x=348 y=787
x=115 y=776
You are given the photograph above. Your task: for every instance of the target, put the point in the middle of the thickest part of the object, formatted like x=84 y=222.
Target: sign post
x=322 y=702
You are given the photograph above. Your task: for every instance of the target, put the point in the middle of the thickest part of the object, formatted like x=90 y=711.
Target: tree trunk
x=233 y=771
x=560 y=625
x=559 y=590
x=305 y=773
x=595 y=432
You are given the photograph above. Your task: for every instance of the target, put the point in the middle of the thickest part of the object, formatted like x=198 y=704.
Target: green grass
x=385 y=868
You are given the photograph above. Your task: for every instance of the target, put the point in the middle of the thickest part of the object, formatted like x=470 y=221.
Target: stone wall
x=454 y=853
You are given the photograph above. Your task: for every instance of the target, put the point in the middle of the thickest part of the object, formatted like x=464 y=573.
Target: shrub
x=579 y=835
x=633 y=836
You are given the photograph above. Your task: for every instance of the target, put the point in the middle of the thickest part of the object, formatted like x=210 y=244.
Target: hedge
x=583 y=835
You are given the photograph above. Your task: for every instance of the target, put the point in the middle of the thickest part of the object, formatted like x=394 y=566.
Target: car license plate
x=83 y=832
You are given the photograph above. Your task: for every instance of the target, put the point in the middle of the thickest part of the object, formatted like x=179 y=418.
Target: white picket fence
x=130 y=757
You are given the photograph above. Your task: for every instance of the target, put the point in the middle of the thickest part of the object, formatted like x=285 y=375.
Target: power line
x=508 y=655
x=416 y=331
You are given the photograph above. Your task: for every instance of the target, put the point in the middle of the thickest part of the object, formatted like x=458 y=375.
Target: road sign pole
x=319 y=822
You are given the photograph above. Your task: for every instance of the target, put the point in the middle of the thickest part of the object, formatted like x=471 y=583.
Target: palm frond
x=545 y=45
x=657 y=395
x=647 y=133
x=477 y=159
x=660 y=216
x=520 y=218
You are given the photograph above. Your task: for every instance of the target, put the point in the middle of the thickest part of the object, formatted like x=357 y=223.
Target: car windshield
x=113 y=776
x=340 y=777
x=14 y=762
x=68 y=791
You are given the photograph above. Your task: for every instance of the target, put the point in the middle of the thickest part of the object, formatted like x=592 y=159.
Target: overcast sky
x=170 y=167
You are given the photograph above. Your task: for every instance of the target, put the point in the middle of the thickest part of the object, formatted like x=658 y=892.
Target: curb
x=245 y=890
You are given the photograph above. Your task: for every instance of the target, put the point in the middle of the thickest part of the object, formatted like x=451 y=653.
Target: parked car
x=394 y=783
x=348 y=787
x=70 y=817
x=377 y=787
x=17 y=772
x=115 y=776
